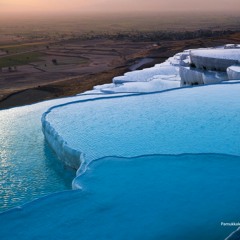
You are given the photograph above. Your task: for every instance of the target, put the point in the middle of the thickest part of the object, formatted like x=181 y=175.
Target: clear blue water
x=150 y=197
x=188 y=120
x=164 y=197
x=28 y=168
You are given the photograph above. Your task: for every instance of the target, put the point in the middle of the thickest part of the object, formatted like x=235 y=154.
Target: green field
x=20 y=59
x=18 y=48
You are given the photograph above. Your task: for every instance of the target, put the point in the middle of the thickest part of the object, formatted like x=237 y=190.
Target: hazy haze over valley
x=64 y=6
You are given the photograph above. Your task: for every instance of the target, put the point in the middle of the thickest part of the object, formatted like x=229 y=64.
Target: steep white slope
x=191 y=67
x=194 y=76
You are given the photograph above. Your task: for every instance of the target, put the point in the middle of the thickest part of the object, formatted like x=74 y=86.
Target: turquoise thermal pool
x=153 y=160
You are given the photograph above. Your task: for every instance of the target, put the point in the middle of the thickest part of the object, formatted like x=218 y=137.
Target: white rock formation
x=233 y=72
x=215 y=59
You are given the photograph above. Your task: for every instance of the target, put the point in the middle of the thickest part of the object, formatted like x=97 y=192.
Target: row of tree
x=156 y=35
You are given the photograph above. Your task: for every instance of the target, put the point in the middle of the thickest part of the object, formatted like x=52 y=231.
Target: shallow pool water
x=162 y=197
x=149 y=197
x=203 y=119
x=28 y=168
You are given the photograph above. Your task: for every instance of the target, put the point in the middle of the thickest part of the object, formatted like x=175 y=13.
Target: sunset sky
x=65 y=6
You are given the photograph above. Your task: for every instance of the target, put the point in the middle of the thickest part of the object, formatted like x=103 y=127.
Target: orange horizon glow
x=68 y=6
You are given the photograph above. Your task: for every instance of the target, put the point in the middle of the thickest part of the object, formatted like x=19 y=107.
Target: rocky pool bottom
x=150 y=197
